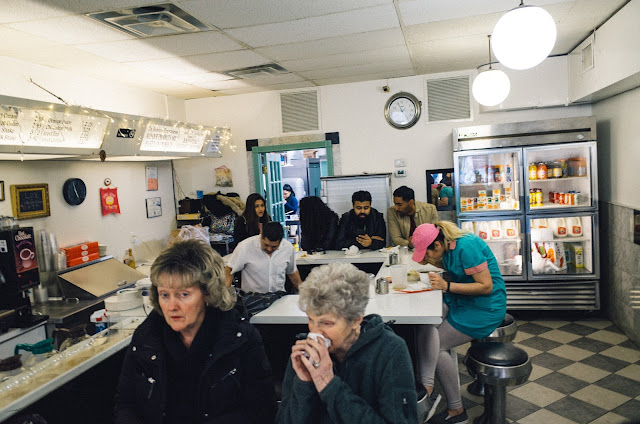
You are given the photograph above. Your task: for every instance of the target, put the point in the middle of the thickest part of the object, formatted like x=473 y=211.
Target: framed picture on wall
x=440 y=189
x=1 y=190
x=30 y=201
x=154 y=207
x=152 y=178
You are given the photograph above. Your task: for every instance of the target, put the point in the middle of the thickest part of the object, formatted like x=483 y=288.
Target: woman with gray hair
x=352 y=368
x=195 y=358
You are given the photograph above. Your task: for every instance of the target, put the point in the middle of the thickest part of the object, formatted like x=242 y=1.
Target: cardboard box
x=82 y=259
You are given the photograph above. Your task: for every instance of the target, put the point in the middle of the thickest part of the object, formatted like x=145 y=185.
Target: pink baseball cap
x=422 y=238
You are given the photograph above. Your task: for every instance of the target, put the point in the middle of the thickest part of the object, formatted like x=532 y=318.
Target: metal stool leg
x=476 y=388
x=498 y=405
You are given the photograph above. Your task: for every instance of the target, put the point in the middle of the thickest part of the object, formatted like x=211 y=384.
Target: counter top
x=331 y=256
x=59 y=310
x=404 y=308
x=64 y=367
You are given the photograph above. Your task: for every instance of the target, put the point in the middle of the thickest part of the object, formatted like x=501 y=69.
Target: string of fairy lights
x=93 y=123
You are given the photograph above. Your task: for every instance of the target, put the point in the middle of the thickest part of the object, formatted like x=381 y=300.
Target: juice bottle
x=542 y=171
x=538 y=196
x=533 y=171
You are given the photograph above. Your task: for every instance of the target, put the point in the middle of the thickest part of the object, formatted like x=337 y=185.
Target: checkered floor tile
x=585 y=370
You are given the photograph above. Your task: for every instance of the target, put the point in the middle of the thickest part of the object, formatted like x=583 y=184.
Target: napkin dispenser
x=96 y=279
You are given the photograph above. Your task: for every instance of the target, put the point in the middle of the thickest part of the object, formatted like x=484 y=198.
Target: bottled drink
x=128 y=258
x=542 y=171
x=533 y=171
x=508 y=176
x=538 y=197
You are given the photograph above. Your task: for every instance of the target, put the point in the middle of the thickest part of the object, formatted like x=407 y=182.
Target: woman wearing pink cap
x=475 y=302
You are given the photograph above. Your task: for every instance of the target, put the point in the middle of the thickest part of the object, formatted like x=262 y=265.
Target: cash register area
x=585 y=370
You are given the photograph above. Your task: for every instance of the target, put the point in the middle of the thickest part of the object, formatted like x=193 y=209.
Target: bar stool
x=505 y=333
x=497 y=365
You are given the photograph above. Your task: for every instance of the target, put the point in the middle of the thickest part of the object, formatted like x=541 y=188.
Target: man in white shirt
x=265 y=261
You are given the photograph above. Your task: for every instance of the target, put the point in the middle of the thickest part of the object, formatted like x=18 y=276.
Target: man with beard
x=362 y=226
x=406 y=214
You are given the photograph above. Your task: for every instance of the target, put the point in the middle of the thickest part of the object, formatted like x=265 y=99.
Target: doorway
x=300 y=165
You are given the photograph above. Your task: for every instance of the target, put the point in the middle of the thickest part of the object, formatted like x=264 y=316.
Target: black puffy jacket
x=235 y=386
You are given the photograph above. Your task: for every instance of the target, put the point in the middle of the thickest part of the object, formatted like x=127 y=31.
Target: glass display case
x=542 y=176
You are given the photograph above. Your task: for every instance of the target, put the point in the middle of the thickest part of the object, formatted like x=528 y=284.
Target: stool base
x=476 y=388
x=495 y=405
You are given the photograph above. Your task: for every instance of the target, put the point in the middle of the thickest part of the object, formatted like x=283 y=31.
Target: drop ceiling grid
x=347 y=59
x=335 y=45
x=357 y=69
x=163 y=47
x=363 y=20
x=245 y=13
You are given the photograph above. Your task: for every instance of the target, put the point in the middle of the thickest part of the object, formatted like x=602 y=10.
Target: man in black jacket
x=362 y=226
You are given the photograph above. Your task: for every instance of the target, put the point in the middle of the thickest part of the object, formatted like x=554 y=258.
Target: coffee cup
x=26 y=254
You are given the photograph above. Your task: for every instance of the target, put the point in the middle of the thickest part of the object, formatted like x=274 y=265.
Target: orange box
x=82 y=259
x=77 y=250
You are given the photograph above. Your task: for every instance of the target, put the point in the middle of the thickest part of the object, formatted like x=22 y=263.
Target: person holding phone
x=363 y=226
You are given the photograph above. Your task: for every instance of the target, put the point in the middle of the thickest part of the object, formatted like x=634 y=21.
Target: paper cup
x=399 y=276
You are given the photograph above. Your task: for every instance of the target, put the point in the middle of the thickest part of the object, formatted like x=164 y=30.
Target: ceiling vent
x=257 y=71
x=299 y=111
x=151 y=21
x=448 y=99
x=587 y=55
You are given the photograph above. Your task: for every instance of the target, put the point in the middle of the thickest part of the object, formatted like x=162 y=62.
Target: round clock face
x=74 y=191
x=402 y=110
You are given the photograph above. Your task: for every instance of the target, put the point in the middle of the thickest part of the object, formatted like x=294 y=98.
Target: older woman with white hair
x=352 y=368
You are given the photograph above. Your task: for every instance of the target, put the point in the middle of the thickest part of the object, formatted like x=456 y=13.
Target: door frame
x=257 y=151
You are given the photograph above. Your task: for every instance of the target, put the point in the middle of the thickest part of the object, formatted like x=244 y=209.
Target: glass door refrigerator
x=530 y=191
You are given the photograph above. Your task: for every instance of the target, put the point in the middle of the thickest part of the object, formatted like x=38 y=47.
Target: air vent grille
x=299 y=111
x=587 y=57
x=257 y=71
x=448 y=99
x=151 y=21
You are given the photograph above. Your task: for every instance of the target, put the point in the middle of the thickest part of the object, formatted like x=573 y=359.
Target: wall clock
x=74 y=191
x=402 y=110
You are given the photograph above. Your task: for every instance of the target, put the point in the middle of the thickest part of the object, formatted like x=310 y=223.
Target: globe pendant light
x=524 y=37
x=492 y=86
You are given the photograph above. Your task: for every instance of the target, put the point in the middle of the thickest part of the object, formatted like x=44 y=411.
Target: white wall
x=78 y=90
x=73 y=224
x=367 y=142
x=619 y=148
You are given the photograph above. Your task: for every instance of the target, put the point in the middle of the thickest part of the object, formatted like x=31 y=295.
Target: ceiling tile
x=276 y=87
x=366 y=77
x=335 y=45
x=201 y=63
x=195 y=79
x=26 y=10
x=251 y=82
x=86 y=6
x=363 y=20
x=461 y=27
x=242 y=13
x=348 y=59
x=71 y=30
x=450 y=54
x=163 y=47
x=415 y=12
x=357 y=70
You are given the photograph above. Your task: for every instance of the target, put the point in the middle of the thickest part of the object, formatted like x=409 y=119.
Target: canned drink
x=552 y=197
x=569 y=198
x=577 y=198
x=482 y=193
x=561 y=198
x=496 y=193
x=539 y=197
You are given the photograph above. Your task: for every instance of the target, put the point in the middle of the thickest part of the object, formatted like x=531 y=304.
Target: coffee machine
x=18 y=274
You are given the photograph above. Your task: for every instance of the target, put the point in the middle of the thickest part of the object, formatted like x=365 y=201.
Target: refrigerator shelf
x=583 y=178
x=493 y=183
x=504 y=240
x=563 y=239
x=557 y=206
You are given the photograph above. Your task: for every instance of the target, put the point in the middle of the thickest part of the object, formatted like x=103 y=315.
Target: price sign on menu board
x=46 y=128
x=167 y=138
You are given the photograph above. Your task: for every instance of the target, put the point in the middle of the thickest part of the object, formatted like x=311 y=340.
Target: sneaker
x=427 y=406
x=444 y=418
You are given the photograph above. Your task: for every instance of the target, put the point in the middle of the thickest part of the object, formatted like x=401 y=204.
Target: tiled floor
x=585 y=370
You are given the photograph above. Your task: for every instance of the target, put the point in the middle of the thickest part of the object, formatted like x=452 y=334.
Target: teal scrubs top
x=476 y=316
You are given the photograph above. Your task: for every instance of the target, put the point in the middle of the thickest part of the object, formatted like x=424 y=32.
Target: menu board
x=167 y=138
x=47 y=128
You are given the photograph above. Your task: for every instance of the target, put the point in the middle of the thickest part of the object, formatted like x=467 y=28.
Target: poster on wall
x=152 y=178
x=109 y=200
x=223 y=177
x=154 y=207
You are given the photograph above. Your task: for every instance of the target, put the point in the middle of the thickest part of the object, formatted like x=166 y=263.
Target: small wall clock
x=402 y=110
x=74 y=191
